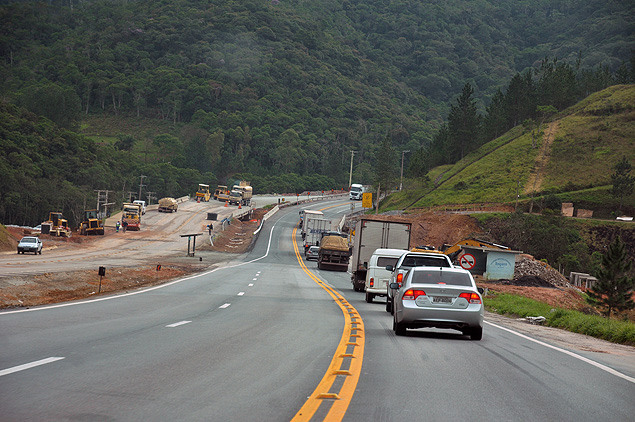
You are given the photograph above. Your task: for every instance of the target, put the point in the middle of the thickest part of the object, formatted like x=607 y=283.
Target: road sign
x=467 y=261
x=367 y=200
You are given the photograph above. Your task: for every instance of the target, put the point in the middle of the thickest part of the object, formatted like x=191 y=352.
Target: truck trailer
x=373 y=234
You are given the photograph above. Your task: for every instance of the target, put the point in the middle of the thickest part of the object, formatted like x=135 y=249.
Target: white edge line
x=29 y=365
x=567 y=352
x=176 y=324
x=83 y=302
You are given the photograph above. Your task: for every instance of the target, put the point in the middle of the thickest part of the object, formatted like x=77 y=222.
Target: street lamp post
x=401 y=180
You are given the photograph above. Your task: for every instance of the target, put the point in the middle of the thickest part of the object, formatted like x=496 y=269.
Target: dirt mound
x=7 y=241
x=526 y=266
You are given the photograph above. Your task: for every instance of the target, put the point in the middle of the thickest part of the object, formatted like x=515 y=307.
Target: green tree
x=125 y=142
x=622 y=180
x=614 y=289
x=386 y=165
x=464 y=124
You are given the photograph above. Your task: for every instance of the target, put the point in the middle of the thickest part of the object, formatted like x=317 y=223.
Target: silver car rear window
x=29 y=240
x=437 y=277
x=424 y=261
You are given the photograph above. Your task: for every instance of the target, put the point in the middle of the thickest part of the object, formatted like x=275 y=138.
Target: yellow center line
x=349 y=340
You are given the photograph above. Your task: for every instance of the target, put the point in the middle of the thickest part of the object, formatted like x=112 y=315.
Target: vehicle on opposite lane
x=439 y=298
x=30 y=244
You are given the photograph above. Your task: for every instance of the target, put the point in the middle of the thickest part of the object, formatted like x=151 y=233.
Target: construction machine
x=131 y=216
x=220 y=190
x=91 y=224
x=452 y=251
x=56 y=225
x=202 y=194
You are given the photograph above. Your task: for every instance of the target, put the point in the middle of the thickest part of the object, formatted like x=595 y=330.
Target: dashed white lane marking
x=258 y=273
x=29 y=365
x=176 y=324
x=251 y=284
x=567 y=352
x=226 y=305
x=241 y=293
x=254 y=279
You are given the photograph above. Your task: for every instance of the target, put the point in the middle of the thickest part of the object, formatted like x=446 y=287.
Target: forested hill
x=280 y=87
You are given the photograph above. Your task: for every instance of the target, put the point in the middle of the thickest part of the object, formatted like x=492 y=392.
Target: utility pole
x=350 y=176
x=401 y=180
x=140 y=186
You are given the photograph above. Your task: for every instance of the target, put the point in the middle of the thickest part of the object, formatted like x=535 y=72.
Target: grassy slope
x=593 y=135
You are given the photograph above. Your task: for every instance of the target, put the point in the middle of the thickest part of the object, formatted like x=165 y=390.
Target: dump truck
x=202 y=194
x=91 y=224
x=334 y=253
x=373 y=234
x=168 y=205
x=131 y=216
x=241 y=194
x=56 y=225
x=220 y=190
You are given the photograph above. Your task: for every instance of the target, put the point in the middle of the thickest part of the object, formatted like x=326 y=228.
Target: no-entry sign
x=467 y=261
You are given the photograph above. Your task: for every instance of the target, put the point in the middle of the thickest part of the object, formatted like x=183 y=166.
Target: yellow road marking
x=341 y=399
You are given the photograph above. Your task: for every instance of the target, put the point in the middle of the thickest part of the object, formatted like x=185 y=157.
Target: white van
x=143 y=205
x=377 y=276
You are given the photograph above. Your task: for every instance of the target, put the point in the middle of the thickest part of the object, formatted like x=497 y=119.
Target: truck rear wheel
x=369 y=297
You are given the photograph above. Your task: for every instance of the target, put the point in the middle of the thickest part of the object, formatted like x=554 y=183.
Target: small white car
x=30 y=244
x=377 y=276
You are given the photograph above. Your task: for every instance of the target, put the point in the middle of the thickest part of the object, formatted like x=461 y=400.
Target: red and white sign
x=467 y=261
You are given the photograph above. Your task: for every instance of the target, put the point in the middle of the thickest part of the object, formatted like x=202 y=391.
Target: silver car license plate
x=441 y=299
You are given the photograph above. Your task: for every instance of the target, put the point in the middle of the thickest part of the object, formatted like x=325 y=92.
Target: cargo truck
x=312 y=231
x=334 y=253
x=168 y=205
x=241 y=194
x=373 y=234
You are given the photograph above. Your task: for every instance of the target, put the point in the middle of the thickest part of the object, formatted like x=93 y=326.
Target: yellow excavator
x=453 y=250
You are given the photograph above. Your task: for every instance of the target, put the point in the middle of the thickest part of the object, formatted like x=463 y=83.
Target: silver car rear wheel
x=398 y=328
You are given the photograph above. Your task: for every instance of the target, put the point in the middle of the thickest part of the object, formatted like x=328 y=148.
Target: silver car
x=440 y=298
x=30 y=244
x=312 y=253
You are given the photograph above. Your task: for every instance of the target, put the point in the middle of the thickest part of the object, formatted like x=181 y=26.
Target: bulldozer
x=56 y=225
x=91 y=224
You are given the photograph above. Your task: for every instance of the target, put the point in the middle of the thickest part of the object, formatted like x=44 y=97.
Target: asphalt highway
x=268 y=337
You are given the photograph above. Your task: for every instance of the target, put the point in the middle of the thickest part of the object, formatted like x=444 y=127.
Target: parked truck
x=168 y=205
x=241 y=194
x=371 y=234
x=334 y=253
x=131 y=216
